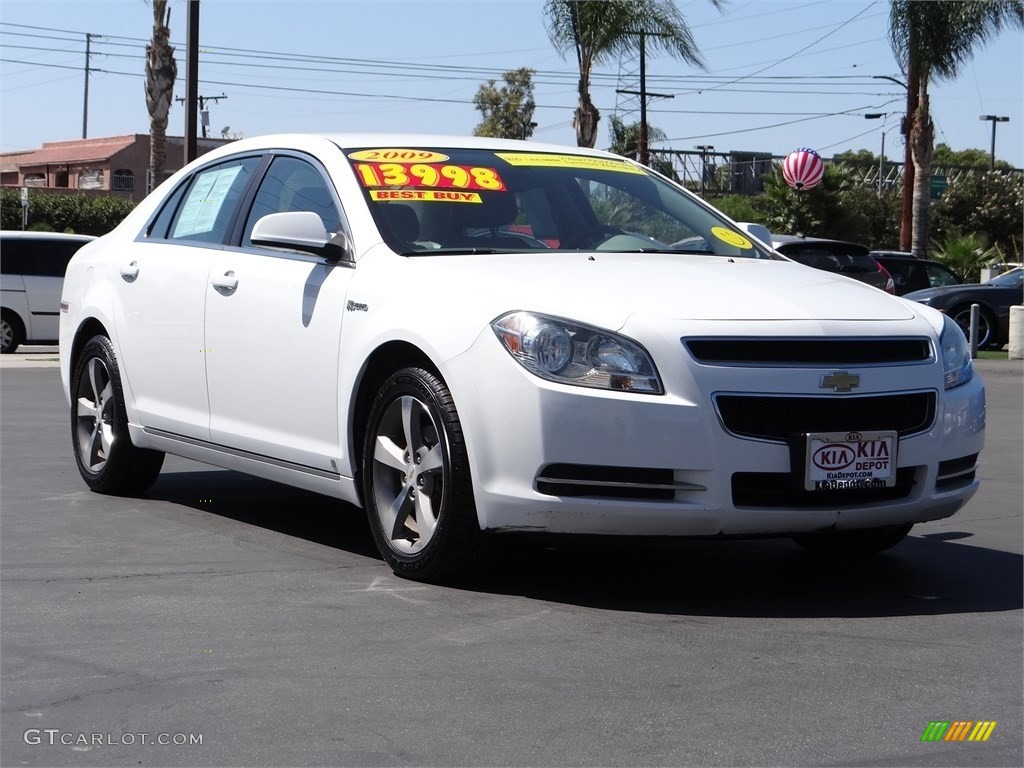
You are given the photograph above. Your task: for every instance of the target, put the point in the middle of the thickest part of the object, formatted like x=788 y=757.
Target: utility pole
x=704 y=149
x=643 y=152
x=191 y=80
x=204 y=114
x=994 y=119
x=85 y=102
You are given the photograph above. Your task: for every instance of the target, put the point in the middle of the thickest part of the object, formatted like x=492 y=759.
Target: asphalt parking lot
x=259 y=621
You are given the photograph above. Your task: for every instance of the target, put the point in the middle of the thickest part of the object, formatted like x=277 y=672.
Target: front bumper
x=552 y=458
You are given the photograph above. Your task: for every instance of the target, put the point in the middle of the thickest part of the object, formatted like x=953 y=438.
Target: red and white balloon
x=803 y=168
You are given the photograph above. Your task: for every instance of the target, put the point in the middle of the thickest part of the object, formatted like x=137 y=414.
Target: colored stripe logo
x=959 y=730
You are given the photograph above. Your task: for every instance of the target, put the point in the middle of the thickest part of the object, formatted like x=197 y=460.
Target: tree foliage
x=507 y=110
x=597 y=31
x=626 y=142
x=990 y=205
x=932 y=40
x=946 y=156
x=966 y=255
x=840 y=207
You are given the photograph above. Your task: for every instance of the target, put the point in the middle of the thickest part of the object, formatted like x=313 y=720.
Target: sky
x=780 y=74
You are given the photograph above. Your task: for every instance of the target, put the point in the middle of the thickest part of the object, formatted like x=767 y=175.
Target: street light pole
x=994 y=119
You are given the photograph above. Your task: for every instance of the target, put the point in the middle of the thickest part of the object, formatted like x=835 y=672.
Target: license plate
x=840 y=461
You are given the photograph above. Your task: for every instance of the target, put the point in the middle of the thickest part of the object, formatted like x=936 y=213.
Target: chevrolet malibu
x=470 y=337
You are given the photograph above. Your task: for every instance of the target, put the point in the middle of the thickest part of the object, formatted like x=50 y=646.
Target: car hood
x=606 y=288
x=948 y=290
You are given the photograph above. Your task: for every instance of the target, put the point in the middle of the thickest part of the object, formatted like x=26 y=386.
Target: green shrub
x=966 y=255
x=80 y=214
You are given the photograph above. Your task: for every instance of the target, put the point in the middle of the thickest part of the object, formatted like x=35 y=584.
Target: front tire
x=858 y=542
x=416 y=482
x=106 y=458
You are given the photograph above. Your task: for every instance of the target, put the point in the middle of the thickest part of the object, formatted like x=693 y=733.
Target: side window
x=162 y=222
x=52 y=257
x=291 y=184
x=208 y=205
x=14 y=257
x=38 y=257
x=938 y=276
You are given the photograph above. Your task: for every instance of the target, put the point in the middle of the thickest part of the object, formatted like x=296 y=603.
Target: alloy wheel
x=408 y=474
x=94 y=415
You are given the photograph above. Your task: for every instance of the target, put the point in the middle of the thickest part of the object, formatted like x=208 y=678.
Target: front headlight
x=956 y=354
x=570 y=353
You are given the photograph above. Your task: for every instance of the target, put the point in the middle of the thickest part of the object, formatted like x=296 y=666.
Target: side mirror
x=301 y=231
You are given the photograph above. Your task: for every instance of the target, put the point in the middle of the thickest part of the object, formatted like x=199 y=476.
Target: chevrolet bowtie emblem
x=840 y=381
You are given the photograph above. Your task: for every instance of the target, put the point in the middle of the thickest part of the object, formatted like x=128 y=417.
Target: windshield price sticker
x=731 y=238
x=531 y=159
x=428 y=195
x=839 y=461
x=398 y=156
x=432 y=175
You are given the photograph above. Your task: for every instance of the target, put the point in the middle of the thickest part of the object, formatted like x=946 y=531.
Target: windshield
x=1009 y=279
x=444 y=200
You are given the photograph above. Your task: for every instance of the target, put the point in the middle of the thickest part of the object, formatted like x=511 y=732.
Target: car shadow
x=763 y=578
x=273 y=506
x=927 y=574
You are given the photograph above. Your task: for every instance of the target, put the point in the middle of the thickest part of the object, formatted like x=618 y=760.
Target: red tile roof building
x=110 y=165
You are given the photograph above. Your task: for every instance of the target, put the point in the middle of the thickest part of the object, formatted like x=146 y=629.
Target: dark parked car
x=849 y=259
x=994 y=299
x=911 y=274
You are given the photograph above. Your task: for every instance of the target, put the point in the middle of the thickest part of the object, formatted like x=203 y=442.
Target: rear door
x=162 y=290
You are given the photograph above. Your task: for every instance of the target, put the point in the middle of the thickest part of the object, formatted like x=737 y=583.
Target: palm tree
x=598 y=30
x=626 y=139
x=161 y=72
x=933 y=40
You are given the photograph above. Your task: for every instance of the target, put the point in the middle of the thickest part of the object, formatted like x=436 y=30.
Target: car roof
x=898 y=256
x=781 y=243
x=783 y=239
x=376 y=139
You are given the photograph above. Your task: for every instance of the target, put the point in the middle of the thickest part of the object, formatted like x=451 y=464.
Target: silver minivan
x=32 y=266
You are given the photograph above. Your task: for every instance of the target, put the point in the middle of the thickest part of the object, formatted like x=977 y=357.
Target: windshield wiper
x=696 y=251
x=456 y=251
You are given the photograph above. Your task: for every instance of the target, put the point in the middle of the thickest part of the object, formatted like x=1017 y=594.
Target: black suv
x=911 y=274
x=839 y=256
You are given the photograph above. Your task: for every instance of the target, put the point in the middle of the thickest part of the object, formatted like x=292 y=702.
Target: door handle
x=226 y=282
x=130 y=271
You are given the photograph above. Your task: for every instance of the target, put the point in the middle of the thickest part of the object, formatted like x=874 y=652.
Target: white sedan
x=469 y=337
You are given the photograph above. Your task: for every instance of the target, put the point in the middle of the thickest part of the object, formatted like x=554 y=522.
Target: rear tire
x=416 y=482
x=12 y=334
x=864 y=541
x=106 y=458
